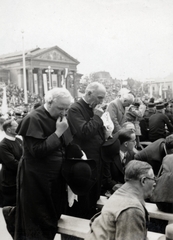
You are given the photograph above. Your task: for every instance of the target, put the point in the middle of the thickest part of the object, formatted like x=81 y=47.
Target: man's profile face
x=127 y=103
x=132 y=142
x=13 y=128
x=96 y=97
x=59 y=107
x=150 y=184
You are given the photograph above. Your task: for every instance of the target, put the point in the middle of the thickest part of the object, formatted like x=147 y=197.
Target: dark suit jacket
x=87 y=129
x=153 y=154
x=113 y=170
x=88 y=132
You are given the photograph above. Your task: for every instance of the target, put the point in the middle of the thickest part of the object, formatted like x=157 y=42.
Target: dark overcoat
x=88 y=133
x=41 y=187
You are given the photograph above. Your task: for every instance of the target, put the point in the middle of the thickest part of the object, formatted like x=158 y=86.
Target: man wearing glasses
x=124 y=215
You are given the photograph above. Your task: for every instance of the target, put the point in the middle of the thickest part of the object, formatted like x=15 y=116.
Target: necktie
x=124 y=161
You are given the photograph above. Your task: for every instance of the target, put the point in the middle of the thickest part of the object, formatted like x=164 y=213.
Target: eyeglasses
x=132 y=141
x=153 y=179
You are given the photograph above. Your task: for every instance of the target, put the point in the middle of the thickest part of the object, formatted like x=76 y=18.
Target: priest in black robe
x=41 y=187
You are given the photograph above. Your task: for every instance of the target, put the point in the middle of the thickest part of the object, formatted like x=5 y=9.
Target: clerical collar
x=10 y=137
x=46 y=107
x=86 y=102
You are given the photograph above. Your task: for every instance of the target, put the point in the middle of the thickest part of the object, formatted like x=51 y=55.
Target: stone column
x=59 y=78
x=75 y=94
x=40 y=82
x=30 y=81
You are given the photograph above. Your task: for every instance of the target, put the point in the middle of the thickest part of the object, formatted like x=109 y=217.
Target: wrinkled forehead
x=100 y=92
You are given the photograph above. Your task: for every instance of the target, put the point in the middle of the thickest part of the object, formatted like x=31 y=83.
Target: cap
x=160 y=106
x=151 y=105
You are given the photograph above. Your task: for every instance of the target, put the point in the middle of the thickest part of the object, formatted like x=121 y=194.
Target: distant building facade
x=161 y=88
x=45 y=68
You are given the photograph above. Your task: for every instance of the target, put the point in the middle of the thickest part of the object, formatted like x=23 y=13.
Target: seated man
x=116 y=153
x=124 y=216
x=163 y=194
x=154 y=153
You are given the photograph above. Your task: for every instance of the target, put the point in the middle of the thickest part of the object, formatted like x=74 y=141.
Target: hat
x=160 y=106
x=168 y=233
x=79 y=174
x=151 y=105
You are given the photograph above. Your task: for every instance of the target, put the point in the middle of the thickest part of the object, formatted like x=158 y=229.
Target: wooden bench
x=79 y=227
x=151 y=208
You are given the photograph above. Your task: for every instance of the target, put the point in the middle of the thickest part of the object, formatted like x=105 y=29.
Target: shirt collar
x=45 y=107
x=86 y=102
x=10 y=137
x=122 y=155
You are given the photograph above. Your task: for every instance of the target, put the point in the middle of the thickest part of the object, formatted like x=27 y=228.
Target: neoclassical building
x=45 y=68
x=162 y=87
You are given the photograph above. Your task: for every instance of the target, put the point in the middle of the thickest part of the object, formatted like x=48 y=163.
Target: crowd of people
x=62 y=155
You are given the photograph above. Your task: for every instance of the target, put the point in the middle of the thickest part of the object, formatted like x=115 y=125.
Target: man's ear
x=125 y=144
x=89 y=93
x=8 y=129
x=142 y=180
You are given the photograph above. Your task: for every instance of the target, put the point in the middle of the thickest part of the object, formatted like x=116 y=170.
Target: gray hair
x=57 y=93
x=128 y=96
x=124 y=125
x=94 y=86
x=135 y=169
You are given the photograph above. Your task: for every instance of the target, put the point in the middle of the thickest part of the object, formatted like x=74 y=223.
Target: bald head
x=95 y=86
x=127 y=99
x=95 y=93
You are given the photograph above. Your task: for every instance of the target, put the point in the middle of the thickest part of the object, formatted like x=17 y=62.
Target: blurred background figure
x=10 y=153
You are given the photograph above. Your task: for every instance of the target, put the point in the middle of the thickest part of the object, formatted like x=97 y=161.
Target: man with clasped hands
x=84 y=117
x=41 y=190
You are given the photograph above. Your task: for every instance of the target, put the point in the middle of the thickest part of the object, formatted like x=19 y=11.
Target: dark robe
x=10 y=154
x=41 y=187
x=88 y=133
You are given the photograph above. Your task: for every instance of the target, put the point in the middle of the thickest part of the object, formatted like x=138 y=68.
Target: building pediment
x=54 y=54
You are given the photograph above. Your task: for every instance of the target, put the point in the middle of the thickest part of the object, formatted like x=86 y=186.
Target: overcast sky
x=128 y=38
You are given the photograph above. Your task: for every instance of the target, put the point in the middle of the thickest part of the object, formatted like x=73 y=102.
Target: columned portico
x=45 y=69
x=40 y=82
x=30 y=80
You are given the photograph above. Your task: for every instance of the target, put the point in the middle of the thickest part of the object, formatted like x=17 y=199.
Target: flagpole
x=24 y=71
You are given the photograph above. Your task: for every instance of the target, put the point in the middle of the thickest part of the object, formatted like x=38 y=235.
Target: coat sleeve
x=41 y=148
x=82 y=128
x=168 y=123
x=113 y=111
x=131 y=224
